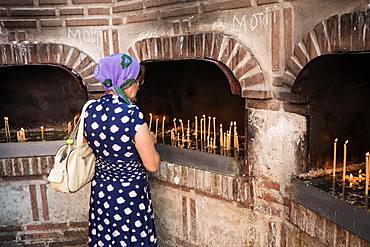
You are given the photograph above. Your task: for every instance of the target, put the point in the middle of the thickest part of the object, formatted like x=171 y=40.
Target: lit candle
x=235 y=136
x=204 y=128
x=225 y=140
x=236 y=142
x=209 y=127
x=163 y=119
x=172 y=136
x=174 y=124
x=69 y=128
x=367 y=174
x=7 y=131
x=196 y=127
x=178 y=139
x=214 y=131
x=183 y=133
x=150 y=121
x=201 y=129
x=229 y=137
x=221 y=137
x=156 y=127
x=18 y=136
x=23 y=134
x=335 y=157
x=42 y=133
x=188 y=133
x=345 y=161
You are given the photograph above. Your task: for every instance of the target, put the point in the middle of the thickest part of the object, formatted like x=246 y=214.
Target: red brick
x=346 y=27
x=32 y=12
x=249 y=65
x=193 y=219
x=71 y=11
x=3 y=12
x=91 y=1
x=10 y=228
x=80 y=242
x=20 y=24
x=87 y=22
x=46 y=226
x=16 y=2
x=52 y=2
x=184 y=209
x=34 y=207
x=275 y=40
x=7 y=237
x=234 y=4
x=98 y=11
x=180 y=12
x=128 y=7
x=257 y=94
x=333 y=33
x=117 y=21
x=149 y=16
x=115 y=41
x=156 y=3
x=268 y=197
x=253 y=80
x=83 y=64
x=288 y=32
x=51 y=23
x=261 y=2
x=268 y=184
x=40 y=235
x=44 y=200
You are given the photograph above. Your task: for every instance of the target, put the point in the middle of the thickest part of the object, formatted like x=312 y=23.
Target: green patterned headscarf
x=117 y=72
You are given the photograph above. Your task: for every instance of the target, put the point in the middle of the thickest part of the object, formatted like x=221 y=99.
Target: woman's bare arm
x=144 y=143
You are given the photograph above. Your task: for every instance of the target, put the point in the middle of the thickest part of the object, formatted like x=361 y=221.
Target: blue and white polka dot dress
x=121 y=211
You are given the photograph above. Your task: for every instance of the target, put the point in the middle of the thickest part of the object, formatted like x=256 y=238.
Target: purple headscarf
x=117 y=72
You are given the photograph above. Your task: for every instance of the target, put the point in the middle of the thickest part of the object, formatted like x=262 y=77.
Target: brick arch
x=24 y=53
x=339 y=33
x=231 y=56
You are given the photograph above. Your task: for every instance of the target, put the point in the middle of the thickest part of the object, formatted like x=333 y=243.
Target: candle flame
x=367 y=154
x=346 y=142
x=336 y=140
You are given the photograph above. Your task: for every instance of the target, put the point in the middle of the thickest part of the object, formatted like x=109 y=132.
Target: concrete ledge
x=200 y=160
x=345 y=215
x=29 y=149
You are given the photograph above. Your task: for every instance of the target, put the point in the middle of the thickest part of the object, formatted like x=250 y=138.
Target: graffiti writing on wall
x=94 y=36
x=257 y=21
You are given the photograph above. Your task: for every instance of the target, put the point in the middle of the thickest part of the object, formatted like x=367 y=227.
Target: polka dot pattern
x=120 y=206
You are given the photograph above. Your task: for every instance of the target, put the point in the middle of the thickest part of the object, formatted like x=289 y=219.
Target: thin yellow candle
x=178 y=139
x=335 y=157
x=201 y=129
x=345 y=160
x=150 y=121
x=174 y=124
x=18 y=136
x=236 y=142
x=214 y=131
x=225 y=140
x=7 y=131
x=188 y=133
x=182 y=129
x=163 y=119
x=221 y=137
x=204 y=127
x=172 y=136
x=367 y=174
x=23 y=134
x=196 y=127
x=209 y=127
x=42 y=133
x=156 y=127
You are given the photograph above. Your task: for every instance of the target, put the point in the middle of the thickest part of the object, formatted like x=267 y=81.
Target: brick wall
x=32 y=214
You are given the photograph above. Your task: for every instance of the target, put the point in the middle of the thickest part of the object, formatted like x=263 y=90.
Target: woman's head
x=121 y=74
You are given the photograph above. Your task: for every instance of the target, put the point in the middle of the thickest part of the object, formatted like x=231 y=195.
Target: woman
x=121 y=211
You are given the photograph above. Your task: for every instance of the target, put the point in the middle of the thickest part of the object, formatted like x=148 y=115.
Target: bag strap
x=77 y=132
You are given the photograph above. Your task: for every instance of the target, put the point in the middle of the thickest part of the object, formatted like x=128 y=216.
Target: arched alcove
x=338 y=86
x=32 y=96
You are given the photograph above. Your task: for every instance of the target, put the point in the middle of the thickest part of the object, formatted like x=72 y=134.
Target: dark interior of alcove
x=187 y=88
x=338 y=86
x=39 y=95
